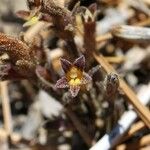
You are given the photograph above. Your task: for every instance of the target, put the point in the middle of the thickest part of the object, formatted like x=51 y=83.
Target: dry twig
x=134 y=129
x=145 y=140
x=6 y=108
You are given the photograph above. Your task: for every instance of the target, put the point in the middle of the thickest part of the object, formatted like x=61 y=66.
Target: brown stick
x=143 y=111
x=3 y=140
x=115 y=59
x=145 y=148
x=6 y=107
x=104 y=37
x=135 y=145
x=134 y=129
x=143 y=23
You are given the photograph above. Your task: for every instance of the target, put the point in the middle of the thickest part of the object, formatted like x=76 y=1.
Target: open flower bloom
x=75 y=77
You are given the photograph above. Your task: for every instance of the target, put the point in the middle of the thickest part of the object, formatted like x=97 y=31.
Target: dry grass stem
x=115 y=59
x=104 y=37
x=6 y=107
x=138 y=126
x=145 y=140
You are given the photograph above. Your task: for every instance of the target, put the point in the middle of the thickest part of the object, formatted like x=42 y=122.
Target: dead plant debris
x=74 y=74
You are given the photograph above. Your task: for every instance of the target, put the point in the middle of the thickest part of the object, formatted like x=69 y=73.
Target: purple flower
x=74 y=77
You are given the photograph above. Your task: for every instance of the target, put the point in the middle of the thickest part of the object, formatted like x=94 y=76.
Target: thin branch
x=115 y=59
x=3 y=140
x=138 y=126
x=6 y=107
x=145 y=140
x=104 y=37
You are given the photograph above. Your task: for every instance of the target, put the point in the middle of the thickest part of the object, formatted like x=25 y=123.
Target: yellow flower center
x=74 y=76
x=75 y=82
x=31 y=21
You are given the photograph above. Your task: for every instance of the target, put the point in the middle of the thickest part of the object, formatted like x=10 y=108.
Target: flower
x=74 y=77
x=31 y=18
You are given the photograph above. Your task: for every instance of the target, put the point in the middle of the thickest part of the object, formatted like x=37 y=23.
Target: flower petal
x=74 y=90
x=62 y=83
x=80 y=62
x=66 y=65
x=23 y=14
x=93 y=8
x=86 y=78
